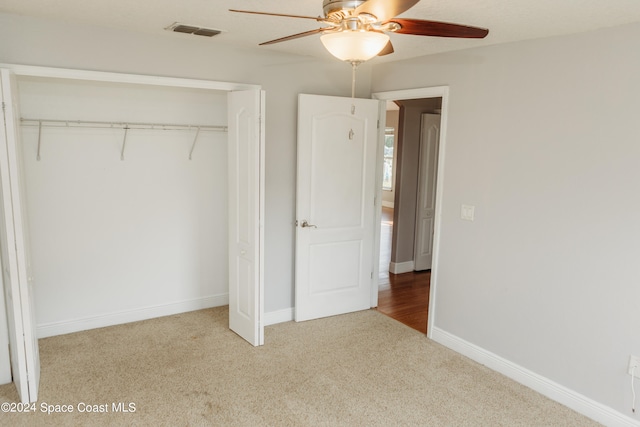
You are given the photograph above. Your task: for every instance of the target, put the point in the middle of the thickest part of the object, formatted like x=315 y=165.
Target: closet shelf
x=118 y=125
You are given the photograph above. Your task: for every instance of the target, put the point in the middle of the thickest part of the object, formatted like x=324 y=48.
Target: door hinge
x=3 y=106
x=378 y=125
x=372 y=275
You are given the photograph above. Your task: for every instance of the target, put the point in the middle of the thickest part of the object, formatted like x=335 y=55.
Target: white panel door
x=23 y=344
x=428 y=170
x=337 y=142
x=246 y=210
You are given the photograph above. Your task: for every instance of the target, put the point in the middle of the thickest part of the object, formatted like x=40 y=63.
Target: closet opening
x=126 y=197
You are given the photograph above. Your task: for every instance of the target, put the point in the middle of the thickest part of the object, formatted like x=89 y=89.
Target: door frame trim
x=111 y=77
x=416 y=93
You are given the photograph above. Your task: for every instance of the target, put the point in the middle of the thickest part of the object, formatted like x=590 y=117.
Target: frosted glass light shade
x=354 y=46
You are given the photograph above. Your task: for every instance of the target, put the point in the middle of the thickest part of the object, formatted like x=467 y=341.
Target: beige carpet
x=360 y=369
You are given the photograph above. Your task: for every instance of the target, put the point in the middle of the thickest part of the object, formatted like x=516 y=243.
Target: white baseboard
x=117 y=318
x=280 y=316
x=387 y=204
x=561 y=394
x=401 y=267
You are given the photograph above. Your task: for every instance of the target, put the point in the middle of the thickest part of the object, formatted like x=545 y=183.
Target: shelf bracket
x=124 y=142
x=193 y=146
x=39 y=139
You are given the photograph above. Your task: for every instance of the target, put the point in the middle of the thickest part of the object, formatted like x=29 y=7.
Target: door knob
x=306 y=224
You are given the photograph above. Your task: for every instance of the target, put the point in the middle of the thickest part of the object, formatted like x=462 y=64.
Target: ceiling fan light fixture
x=354 y=46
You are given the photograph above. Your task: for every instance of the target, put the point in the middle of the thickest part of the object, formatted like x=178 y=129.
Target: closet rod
x=118 y=125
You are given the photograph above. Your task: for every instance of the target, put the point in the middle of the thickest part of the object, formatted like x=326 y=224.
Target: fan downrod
x=340 y=8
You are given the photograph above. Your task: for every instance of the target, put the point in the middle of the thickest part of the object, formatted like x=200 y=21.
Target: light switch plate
x=467 y=212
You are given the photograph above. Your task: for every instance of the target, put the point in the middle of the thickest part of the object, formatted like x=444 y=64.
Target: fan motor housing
x=331 y=7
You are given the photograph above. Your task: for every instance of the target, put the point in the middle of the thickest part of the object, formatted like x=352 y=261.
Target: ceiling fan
x=354 y=30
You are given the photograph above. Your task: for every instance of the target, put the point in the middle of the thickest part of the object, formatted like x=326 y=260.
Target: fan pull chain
x=354 y=65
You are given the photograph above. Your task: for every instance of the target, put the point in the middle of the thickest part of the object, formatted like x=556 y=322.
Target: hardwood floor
x=403 y=297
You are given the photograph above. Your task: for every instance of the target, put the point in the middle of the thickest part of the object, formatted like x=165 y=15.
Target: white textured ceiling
x=507 y=20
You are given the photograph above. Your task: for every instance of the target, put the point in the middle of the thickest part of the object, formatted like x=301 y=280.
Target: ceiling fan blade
x=277 y=14
x=419 y=27
x=387 y=49
x=385 y=9
x=296 y=36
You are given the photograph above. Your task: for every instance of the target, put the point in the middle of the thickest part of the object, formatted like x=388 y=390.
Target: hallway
x=403 y=297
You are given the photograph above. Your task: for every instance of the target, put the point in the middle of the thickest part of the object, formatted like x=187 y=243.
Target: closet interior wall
x=116 y=240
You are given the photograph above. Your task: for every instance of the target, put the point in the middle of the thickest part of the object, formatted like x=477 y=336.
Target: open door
x=337 y=143
x=426 y=203
x=246 y=213
x=23 y=344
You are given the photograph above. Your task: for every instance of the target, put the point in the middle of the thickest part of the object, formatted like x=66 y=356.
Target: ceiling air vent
x=192 y=29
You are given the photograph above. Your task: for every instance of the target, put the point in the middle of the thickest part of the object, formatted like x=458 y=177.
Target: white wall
x=543 y=139
x=47 y=43
x=113 y=240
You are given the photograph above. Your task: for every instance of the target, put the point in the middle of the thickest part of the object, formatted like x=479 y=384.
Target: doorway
x=403 y=293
